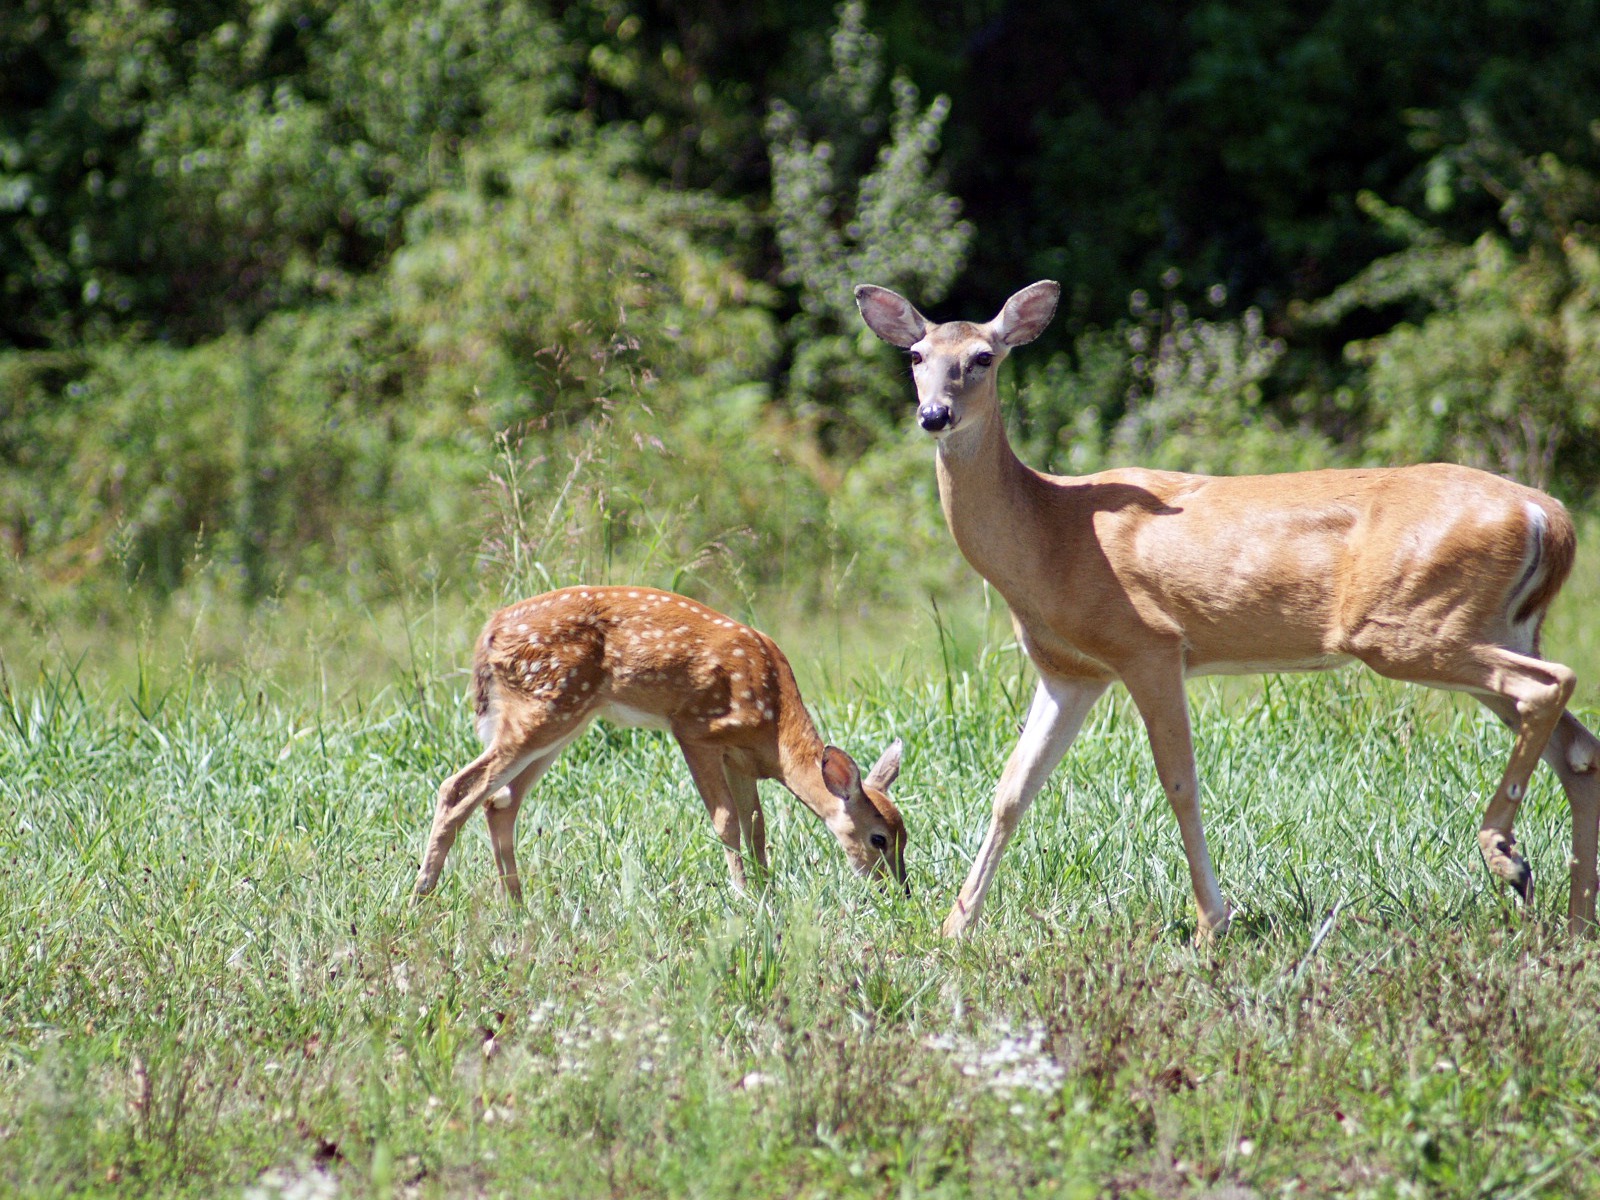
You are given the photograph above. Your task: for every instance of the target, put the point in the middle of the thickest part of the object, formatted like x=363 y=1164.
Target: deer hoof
x=955 y=925
x=1505 y=863
x=1208 y=933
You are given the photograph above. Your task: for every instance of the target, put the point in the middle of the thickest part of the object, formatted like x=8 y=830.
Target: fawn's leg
x=752 y=821
x=502 y=814
x=705 y=766
x=458 y=797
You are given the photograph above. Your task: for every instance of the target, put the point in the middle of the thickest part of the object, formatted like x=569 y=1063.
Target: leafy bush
x=1499 y=369
x=195 y=166
x=1164 y=389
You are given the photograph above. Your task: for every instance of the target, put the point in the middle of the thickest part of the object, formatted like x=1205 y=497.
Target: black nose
x=934 y=417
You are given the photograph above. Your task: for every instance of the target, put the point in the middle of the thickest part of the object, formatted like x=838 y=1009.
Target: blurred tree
x=856 y=199
x=189 y=168
x=1498 y=363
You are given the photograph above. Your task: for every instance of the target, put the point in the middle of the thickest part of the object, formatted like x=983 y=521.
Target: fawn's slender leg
x=459 y=796
x=1058 y=711
x=502 y=815
x=752 y=821
x=705 y=766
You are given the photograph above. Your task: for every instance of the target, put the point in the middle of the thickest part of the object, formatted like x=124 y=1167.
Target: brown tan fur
x=1437 y=574
x=547 y=666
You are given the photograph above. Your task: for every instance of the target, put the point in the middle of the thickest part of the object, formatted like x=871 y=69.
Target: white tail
x=546 y=667
x=1436 y=574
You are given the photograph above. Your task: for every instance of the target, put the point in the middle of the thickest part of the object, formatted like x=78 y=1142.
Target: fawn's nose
x=934 y=417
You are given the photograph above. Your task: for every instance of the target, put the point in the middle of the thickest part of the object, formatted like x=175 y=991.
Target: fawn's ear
x=1024 y=316
x=890 y=315
x=887 y=769
x=840 y=774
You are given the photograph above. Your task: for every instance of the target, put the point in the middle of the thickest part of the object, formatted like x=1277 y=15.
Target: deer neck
x=800 y=752
x=985 y=491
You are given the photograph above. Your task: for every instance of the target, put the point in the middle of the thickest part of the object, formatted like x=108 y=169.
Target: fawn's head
x=954 y=364
x=868 y=825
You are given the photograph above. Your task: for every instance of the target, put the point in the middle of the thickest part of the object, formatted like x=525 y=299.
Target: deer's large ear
x=887 y=769
x=890 y=315
x=840 y=774
x=1025 y=315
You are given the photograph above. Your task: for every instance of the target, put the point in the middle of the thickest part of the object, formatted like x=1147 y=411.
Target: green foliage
x=550 y=290
x=272 y=448
x=1195 y=402
x=1165 y=389
x=1499 y=368
x=552 y=278
x=195 y=166
x=839 y=223
x=295 y=280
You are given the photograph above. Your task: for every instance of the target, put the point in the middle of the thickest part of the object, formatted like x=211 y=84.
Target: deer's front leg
x=1157 y=692
x=705 y=766
x=752 y=821
x=1058 y=711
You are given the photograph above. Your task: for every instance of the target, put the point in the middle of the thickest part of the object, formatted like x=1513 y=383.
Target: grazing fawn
x=1436 y=574
x=545 y=667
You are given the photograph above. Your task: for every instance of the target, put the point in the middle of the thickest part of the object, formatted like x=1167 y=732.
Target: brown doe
x=1436 y=574
x=547 y=666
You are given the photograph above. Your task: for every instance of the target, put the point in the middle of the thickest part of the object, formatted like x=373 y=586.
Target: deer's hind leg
x=1530 y=695
x=511 y=752
x=1573 y=753
x=502 y=815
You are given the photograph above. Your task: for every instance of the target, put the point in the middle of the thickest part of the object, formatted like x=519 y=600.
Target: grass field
x=211 y=982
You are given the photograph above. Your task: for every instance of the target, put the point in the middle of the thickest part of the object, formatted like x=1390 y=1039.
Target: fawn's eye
x=982 y=359
x=879 y=842
x=916 y=359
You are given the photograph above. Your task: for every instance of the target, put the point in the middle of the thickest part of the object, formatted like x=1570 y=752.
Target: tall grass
x=211 y=980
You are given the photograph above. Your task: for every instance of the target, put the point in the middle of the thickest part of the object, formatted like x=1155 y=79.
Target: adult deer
x=1436 y=574
x=545 y=667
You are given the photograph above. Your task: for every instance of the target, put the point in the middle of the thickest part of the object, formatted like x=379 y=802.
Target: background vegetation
x=327 y=325
x=285 y=283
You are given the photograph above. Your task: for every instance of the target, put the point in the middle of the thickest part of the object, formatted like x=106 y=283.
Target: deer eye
x=916 y=358
x=879 y=842
x=982 y=359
